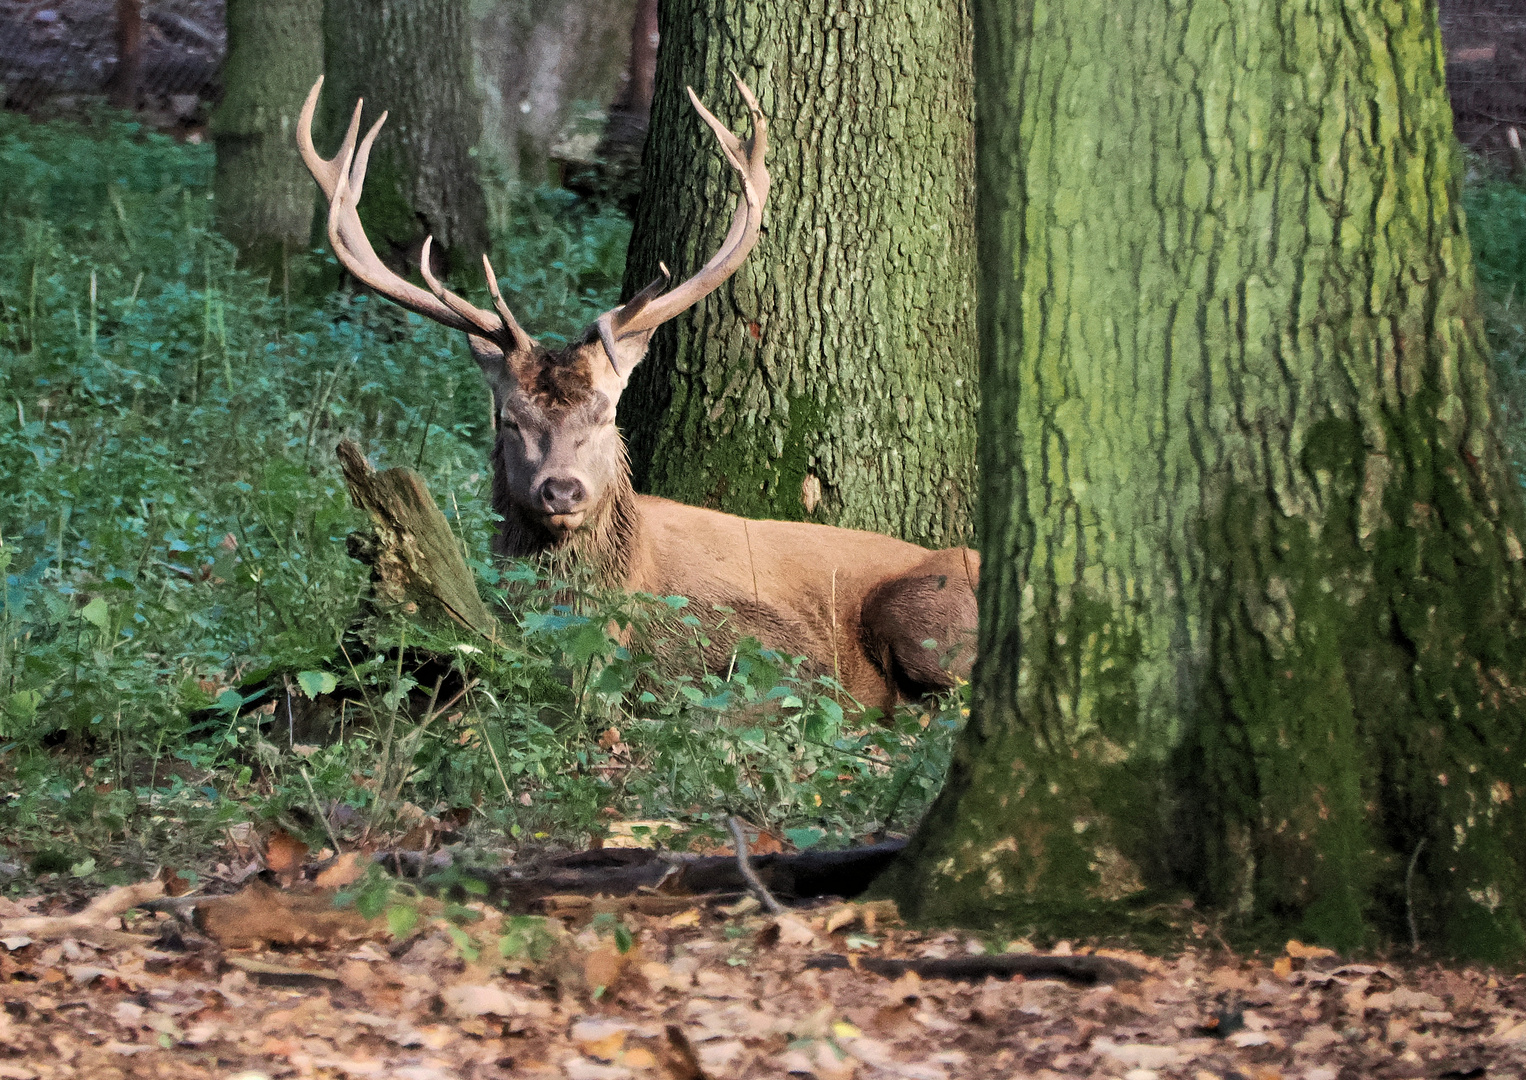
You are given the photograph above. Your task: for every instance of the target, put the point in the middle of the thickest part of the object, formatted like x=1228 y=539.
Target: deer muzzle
x=564 y=501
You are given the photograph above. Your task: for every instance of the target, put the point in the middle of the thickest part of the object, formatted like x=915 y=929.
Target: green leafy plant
x=179 y=600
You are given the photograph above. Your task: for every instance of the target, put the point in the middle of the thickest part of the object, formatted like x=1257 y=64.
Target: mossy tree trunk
x=412 y=58
x=264 y=195
x=834 y=377
x=1251 y=600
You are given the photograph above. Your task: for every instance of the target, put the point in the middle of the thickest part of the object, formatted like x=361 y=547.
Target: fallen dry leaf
x=347 y=869
x=486 y=999
x=601 y=1039
x=452 y=1005
x=602 y=966
x=1299 y=951
x=284 y=854
x=261 y=915
x=794 y=931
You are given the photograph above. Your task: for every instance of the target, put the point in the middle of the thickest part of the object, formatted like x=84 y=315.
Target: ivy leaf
x=96 y=613
x=804 y=838
x=314 y=683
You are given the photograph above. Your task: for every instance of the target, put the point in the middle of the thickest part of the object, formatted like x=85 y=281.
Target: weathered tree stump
x=417 y=565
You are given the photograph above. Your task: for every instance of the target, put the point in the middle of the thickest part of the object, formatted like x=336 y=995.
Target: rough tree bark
x=1252 y=583
x=418 y=567
x=264 y=195
x=412 y=58
x=834 y=377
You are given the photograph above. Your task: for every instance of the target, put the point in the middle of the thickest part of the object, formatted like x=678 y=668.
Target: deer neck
x=605 y=544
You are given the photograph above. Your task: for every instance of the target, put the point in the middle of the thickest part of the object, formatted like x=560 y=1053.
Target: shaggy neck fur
x=605 y=544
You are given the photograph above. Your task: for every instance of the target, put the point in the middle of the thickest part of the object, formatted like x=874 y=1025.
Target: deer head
x=559 y=462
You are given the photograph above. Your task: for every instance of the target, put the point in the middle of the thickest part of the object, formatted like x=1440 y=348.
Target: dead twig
x=328 y=826
x=1409 y=895
x=750 y=875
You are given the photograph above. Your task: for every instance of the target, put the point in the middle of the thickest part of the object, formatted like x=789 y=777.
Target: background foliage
x=173 y=527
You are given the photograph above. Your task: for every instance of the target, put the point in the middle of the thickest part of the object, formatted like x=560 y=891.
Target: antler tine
x=500 y=331
x=326 y=172
x=510 y=323
x=646 y=311
x=342 y=179
x=651 y=291
x=606 y=322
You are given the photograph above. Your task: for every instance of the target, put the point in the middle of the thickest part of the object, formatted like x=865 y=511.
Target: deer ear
x=497 y=368
x=622 y=351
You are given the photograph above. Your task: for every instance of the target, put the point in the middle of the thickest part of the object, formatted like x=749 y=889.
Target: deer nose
x=562 y=495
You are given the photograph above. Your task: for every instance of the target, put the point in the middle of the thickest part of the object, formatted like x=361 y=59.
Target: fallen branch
x=623 y=871
x=1081 y=969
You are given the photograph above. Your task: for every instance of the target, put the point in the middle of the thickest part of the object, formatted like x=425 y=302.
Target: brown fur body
x=856 y=604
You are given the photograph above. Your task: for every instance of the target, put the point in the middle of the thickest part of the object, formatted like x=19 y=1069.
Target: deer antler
x=342 y=177
x=650 y=308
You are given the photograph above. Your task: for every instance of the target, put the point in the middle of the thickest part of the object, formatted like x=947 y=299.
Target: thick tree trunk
x=834 y=377
x=1252 y=581
x=412 y=58
x=264 y=195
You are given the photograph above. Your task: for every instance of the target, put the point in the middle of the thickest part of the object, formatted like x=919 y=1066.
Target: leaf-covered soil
x=704 y=990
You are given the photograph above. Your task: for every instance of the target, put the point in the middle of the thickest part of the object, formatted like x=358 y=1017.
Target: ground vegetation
x=179 y=649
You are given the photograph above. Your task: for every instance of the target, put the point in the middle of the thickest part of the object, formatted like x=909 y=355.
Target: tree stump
x=417 y=564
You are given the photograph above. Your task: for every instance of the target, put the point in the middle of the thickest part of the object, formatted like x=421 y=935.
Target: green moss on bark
x=264 y=195
x=1237 y=434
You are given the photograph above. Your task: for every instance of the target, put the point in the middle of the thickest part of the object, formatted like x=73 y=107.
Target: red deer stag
x=854 y=603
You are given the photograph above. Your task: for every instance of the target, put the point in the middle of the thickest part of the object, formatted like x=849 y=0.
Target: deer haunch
x=856 y=604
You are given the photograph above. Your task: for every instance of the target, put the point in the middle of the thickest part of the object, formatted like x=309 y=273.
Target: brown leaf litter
x=284 y=984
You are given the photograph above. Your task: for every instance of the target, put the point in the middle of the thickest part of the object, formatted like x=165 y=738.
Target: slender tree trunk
x=412 y=58
x=834 y=376
x=631 y=111
x=264 y=195
x=125 y=79
x=1252 y=582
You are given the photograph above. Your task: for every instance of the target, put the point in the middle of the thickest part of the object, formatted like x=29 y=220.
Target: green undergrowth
x=1495 y=203
x=172 y=537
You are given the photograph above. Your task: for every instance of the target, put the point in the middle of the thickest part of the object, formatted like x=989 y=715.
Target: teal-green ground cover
x=173 y=525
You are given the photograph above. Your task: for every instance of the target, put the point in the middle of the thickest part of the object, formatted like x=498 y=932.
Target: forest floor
x=696 y=989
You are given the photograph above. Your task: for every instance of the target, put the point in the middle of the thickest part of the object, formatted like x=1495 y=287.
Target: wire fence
x=1486 y=70
x=56 y=53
